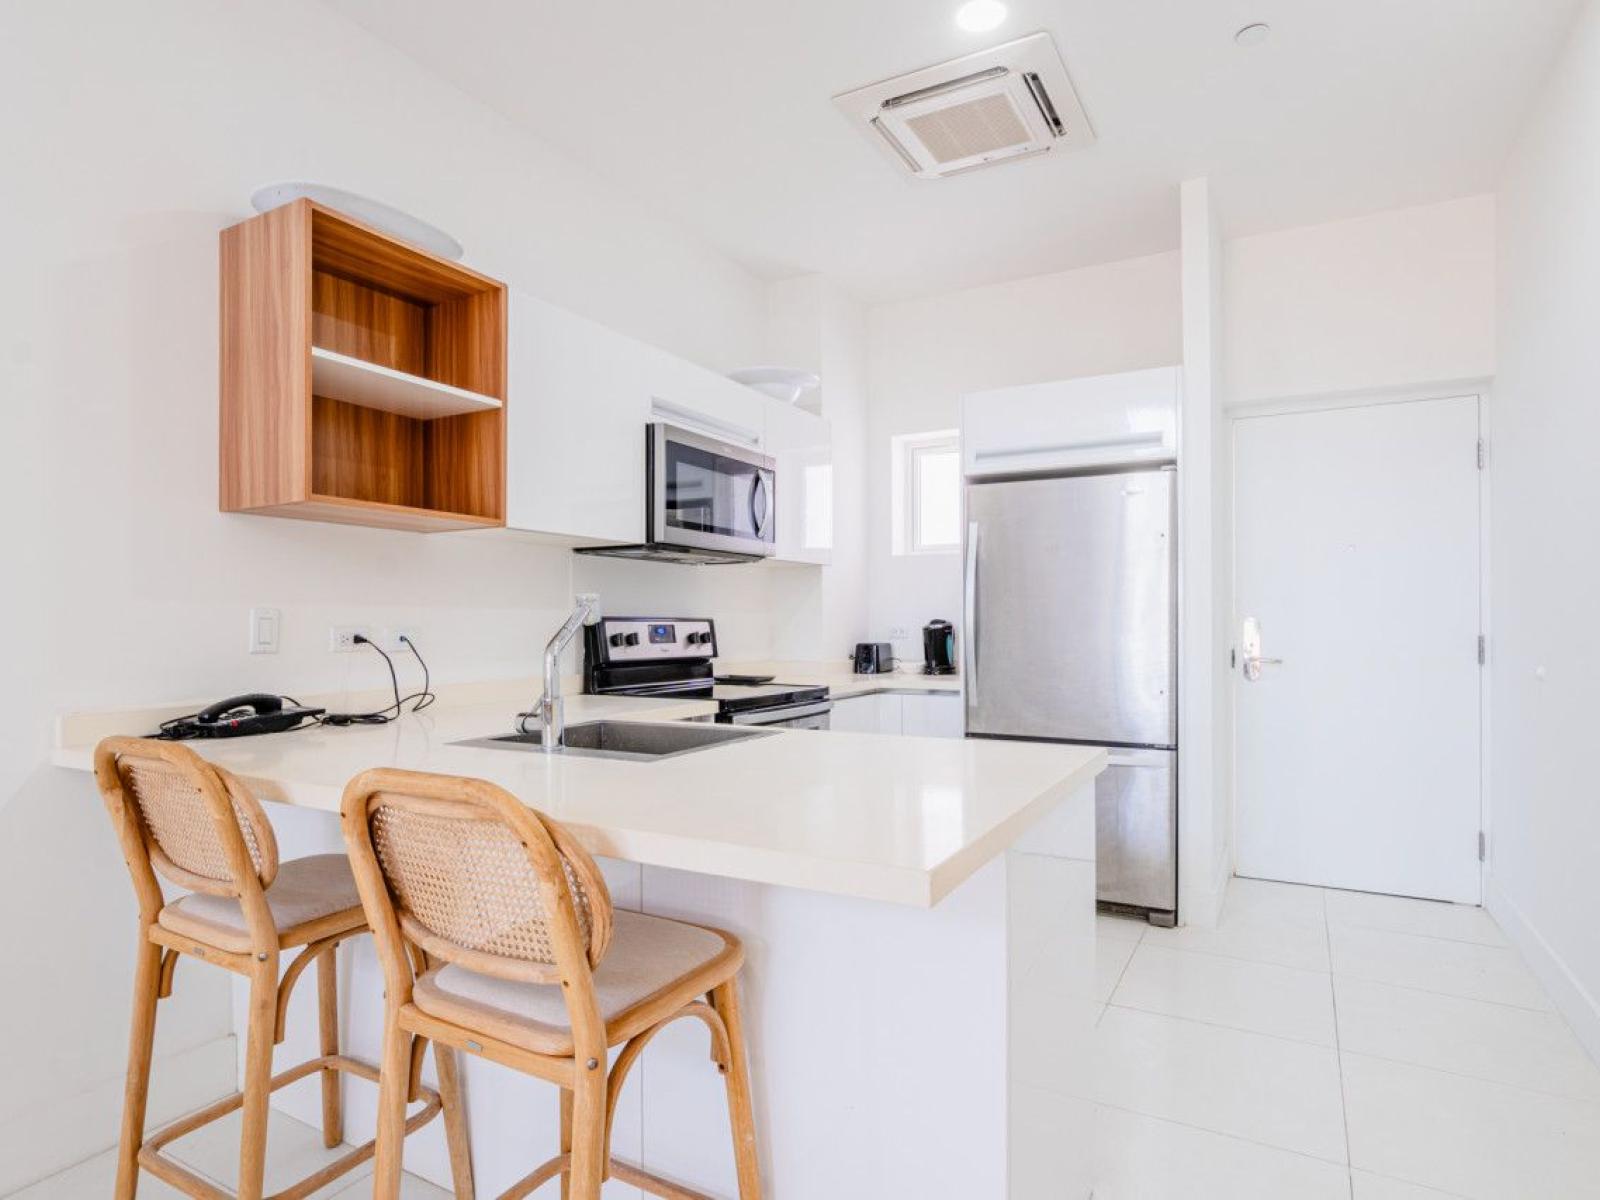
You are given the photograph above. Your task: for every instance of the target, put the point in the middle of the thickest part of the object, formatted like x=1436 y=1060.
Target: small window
x=927 y=469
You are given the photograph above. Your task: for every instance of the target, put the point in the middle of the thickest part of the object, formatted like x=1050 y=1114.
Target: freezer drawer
x=1136 y=830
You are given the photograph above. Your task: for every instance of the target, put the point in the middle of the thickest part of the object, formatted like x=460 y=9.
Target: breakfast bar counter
x=918 y=916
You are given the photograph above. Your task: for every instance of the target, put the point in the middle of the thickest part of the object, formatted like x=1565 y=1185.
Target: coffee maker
x=938 y=648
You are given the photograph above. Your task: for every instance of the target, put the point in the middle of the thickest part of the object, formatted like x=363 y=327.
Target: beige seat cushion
x=649 y=958
x=306 y=889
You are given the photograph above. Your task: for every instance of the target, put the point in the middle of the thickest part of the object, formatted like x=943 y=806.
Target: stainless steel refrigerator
x=1071 y=636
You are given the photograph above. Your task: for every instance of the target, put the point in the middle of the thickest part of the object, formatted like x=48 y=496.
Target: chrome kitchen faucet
x=549 y=708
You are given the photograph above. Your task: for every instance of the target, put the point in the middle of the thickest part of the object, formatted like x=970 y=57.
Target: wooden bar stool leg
x=328 y=1023
x=141 y=1039
x=394 y=1074
x=588 y=1135
x=262 y=1028
x=566 y=1140
x=725 y=999
x=455 y=1120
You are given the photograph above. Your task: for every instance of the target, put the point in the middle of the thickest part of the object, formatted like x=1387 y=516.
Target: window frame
x=913 y=450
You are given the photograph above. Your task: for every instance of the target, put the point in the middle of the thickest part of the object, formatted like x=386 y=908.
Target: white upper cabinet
x=1071 y=424
x=575 y=425
x=802 y=444
x=682 y=393
x=581 y=395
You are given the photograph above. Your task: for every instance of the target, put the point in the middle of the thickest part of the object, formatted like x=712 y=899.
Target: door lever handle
x=1253 y=664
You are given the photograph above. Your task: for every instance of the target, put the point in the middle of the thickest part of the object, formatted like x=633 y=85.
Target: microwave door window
x=708 y=493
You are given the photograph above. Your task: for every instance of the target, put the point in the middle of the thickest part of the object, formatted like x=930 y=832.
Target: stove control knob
x=618 y=639
x=633 y=639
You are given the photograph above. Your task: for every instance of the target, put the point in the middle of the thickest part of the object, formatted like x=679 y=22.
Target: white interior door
x=1357 y=555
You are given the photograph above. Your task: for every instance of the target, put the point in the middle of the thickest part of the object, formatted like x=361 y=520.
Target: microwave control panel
x=650 y=639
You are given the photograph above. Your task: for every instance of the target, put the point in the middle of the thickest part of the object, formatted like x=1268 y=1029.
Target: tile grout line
x=1122 y=974
x=1232 y=1137
x=1494 y=1083
x=1259 y=962
x=1338 y=1053
x=1438 y=937
x=1406 y=987
x=1276 y=1037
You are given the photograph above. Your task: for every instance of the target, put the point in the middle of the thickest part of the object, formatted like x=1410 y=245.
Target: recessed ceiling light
x=1253 y=35
x=980 y=16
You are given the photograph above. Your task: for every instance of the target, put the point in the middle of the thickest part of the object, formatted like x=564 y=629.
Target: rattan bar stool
x=497 y=936
x=200 y=828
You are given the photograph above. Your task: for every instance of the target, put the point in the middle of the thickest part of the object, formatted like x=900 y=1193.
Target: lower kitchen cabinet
x=866 y=714
x=937 y=714
x=928 y=715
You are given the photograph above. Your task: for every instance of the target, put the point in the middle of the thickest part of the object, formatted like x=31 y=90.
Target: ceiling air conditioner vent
x=1009 y=102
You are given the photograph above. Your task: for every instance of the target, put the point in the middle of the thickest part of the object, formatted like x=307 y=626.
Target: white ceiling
x=717 y=114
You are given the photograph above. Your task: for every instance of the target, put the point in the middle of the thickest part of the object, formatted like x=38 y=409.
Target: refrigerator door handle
x=970 y=641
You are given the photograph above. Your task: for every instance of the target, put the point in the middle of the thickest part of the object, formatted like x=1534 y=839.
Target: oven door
x=788 y=716
x=710 y=495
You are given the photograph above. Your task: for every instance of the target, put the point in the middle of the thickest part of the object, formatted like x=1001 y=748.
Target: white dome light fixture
x=374 y=212
x=1253 y=35
x=980 y=16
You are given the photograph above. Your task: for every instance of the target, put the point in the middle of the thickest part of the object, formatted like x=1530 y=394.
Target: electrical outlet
x=342 y=638
x=389 y=639
x=898 y=633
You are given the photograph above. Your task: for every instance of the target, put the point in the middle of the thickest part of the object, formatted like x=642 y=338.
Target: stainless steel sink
x=626 y=739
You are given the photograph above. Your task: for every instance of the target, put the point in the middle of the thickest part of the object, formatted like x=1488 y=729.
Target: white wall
x=1545 y=641
x=817 y=326
x=1386 y=301
x=924 y=355
x=146 y=128
x=1205 y=730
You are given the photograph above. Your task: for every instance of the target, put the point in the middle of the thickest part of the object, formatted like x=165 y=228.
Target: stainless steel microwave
x=708 y=500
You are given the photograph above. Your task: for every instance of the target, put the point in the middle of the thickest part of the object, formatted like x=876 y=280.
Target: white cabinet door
x=689 y=395
x=866 y=714
x=1071 y=423
x=579 y=399
x=802 y=443
x=934 y=715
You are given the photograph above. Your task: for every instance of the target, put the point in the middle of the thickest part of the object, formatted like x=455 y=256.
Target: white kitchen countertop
x=879 y=817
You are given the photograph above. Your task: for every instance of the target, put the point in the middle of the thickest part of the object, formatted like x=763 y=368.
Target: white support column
x=1205 y=832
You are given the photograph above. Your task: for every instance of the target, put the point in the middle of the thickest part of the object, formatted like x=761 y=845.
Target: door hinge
x=1483 y=846
x=1483 y=649
x=1483 y=454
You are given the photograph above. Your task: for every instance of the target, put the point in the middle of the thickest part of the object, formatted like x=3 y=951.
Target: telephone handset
x=257 y=703
x=240 y=716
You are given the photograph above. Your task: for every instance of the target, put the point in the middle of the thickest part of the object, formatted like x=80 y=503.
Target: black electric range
x=670 y=657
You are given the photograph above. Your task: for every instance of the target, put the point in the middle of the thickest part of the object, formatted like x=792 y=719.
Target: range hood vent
x=1013 y=101
x=687 y=556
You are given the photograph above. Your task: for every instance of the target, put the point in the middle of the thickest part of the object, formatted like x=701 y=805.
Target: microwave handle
x=760 y=504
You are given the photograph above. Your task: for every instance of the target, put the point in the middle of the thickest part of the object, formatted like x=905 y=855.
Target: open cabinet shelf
x=367 y=385
x=363 y=379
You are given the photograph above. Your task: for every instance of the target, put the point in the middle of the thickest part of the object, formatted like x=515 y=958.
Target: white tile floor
x=1316 y=1045
x=294 y=1150
x=1321 y=1044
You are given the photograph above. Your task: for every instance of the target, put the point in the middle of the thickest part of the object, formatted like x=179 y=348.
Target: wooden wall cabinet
x=363 y=379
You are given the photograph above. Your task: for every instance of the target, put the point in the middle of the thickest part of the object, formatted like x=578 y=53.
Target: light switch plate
x=266 y=628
